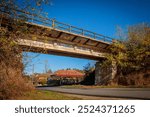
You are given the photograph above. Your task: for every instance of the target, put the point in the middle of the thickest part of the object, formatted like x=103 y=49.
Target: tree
x=138 y=46
x=133 y=53
x=13 y=15
x=89 y=71
x=49 y=71
x=88 y=68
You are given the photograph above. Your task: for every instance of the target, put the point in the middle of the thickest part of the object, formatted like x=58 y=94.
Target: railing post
x=32 y=18
x=53 y=23
x=104 y=38
x=69 y=28
x=113 y=41
x=82 y=32
x=94 y=35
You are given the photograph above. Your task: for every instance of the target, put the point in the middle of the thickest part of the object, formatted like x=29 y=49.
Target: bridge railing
x=79 y=31
x=37 y=19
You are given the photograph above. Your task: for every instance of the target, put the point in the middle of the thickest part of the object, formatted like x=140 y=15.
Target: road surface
x=134 y=93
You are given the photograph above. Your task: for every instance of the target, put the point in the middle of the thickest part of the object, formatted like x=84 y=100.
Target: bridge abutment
x=104 y=74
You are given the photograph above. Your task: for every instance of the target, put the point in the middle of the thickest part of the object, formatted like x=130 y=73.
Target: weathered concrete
x=60 y=48
x=103 y=74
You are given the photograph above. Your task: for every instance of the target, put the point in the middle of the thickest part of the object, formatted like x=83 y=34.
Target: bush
x=12 y=83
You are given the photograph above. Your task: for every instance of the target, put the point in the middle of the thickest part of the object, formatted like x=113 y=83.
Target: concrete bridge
x=53 y=37
x=64 y=43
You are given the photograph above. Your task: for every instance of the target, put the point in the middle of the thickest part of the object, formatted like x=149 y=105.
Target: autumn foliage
x=12 y=27
x=132 y=56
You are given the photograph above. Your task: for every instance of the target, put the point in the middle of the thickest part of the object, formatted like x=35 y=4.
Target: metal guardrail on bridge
x=37 y=19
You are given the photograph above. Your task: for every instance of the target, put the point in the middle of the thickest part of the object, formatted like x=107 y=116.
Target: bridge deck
x=70 y=38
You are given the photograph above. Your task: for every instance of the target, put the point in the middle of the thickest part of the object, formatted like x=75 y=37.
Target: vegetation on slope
x=132 y=56
x=12 y=81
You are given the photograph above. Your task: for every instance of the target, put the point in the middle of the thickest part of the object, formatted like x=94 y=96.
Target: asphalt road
x=134 y=93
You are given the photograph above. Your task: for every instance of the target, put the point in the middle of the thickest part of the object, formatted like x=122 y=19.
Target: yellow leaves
x=146 y=41
x=147 y=53
x=117 y=51
x=121 y=56
x=134 y=52
x=3 y=40
x=120 y=45
x=12 y=43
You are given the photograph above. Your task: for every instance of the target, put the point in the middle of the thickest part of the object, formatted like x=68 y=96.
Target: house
x=40 y=78
x=66 y=77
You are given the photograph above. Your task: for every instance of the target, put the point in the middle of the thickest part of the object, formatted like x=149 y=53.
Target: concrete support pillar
x=113 y=69
x=98 y=72
x=103 y=75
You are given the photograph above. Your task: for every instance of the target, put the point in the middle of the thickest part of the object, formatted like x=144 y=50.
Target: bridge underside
x=58 y=49
x=59 y=53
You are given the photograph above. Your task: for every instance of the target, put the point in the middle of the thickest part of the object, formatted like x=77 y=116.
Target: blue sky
x=101 y=16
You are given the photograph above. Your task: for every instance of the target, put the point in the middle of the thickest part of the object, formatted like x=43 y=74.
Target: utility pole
x=33 y=69
x=46 y=66
x=32 y=73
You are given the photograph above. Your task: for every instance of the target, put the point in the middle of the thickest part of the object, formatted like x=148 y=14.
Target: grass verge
x=46 y=95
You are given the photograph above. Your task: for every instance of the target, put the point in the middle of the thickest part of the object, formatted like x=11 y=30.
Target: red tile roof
x=69 y=73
